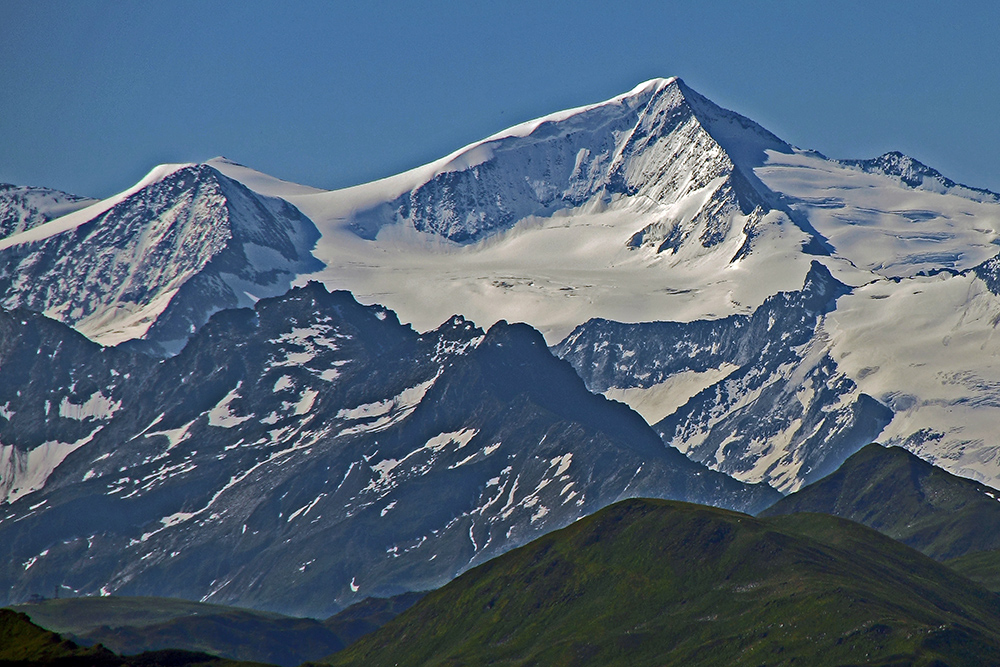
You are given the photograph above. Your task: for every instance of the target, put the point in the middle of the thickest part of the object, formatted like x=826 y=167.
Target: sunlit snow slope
x=920 y=336
x=632 y=209
x=22 y=208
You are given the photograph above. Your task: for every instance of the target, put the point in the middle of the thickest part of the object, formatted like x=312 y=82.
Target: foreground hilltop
x=653 y=583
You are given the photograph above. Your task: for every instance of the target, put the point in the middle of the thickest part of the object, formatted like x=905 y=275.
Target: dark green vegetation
x=129 y=625
x=648 y=582
x=369 y=615
x=24 y=644
x=133 y=625
x=23 y=641
x=906 y=498
x=79 y=616
x=981 y=566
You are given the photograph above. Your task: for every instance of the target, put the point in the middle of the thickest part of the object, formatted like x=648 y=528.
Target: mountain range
x=224 y=473
x=647 y=582
x=222 y=374
x=655 y=206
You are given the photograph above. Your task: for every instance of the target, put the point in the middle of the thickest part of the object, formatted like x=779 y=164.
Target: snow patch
x=305 y=402
x=22 y=472
x=97 y=406
x=222 y=416
x=305 y=508
x=563 y=462
x=174 y=436
x=663 y=399
x=386 y=412
x=460 y=438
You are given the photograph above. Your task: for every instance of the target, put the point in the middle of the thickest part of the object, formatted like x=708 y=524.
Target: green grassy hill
x=25 y=644
x=23 y=641
x=78 y=616
x=663 y=583
x=982 y=567
x=906 y=498
x=130 y=625
x=369 y=615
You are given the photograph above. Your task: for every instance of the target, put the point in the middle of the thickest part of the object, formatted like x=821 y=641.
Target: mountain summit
x=658 y=144
x=156 y=261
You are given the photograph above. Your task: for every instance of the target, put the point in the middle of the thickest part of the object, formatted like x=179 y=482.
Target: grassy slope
x=906 y=498
x=664 y=583
x=24 y=644
x=79 y=616
x=130 y=625
x=980 y=566
x=369 y=615
x=22 y=640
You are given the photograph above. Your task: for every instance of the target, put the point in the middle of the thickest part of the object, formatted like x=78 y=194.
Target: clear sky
x=93 y=94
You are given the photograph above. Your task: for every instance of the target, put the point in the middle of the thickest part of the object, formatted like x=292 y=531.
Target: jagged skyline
x=94 y=95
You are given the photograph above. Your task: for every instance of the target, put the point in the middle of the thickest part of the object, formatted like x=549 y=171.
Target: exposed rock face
x=311 y=452
x=781 y=412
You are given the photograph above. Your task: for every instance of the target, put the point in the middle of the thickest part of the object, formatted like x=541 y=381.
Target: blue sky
x=93 y=94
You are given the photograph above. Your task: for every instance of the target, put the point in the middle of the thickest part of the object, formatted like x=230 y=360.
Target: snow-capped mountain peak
x=656 y=143
x=259 y=182
x=25 y=207
x=916 y=174
x=156 y=260
x=76 y=218
x=654 y=205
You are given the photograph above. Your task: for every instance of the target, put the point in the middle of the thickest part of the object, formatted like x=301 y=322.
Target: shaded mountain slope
x=766 y=401
x=225 y=473
x=906 y=498
x=57 y=391
x=654 y=582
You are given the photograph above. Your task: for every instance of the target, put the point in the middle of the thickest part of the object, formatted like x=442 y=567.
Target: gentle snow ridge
x=77 y=218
